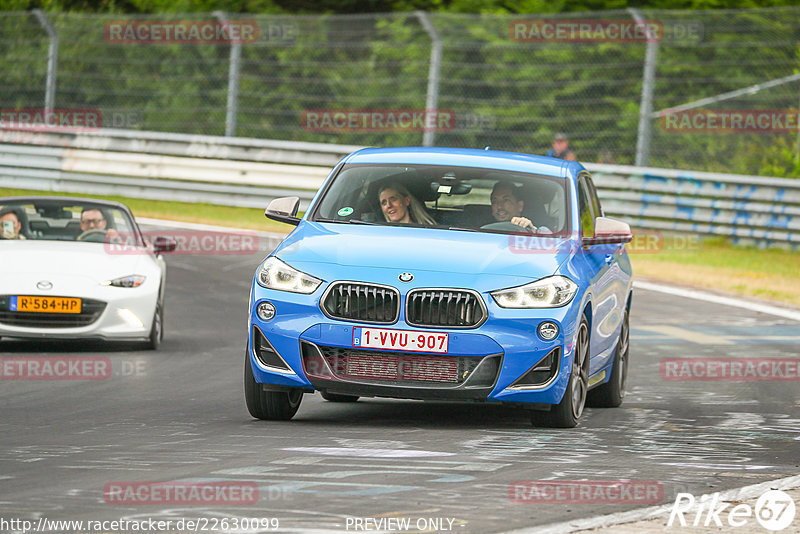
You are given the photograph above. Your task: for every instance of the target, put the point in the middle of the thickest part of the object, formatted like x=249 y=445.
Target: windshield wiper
x=463 y=229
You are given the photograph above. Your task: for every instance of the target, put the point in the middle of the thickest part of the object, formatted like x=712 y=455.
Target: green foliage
x=504 y=93
x=377 y=6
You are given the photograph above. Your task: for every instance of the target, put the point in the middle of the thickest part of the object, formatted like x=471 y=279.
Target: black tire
x=268 y=405
x=157 y=330
x=612 y=393
x=566 y=413
x=333 y=397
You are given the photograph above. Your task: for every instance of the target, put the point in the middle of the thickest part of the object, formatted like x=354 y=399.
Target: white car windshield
x=449 y=197
x=64 y=220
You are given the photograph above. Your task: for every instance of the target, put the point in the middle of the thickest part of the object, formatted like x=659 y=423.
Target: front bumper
x=507 y=339
x=123 y=314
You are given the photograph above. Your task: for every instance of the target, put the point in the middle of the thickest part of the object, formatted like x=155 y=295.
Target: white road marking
x=675 y=332
x=380 y=453
x=722 y=467
x=765 y=338
x=727 y=301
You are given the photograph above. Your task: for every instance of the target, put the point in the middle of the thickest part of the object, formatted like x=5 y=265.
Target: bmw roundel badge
x=406 y=277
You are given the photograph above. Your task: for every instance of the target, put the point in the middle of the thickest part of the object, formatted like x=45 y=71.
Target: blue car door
x=603 y=273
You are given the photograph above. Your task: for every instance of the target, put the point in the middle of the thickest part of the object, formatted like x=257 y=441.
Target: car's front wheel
x=157 y=330
x=567 y=412
x=268 y=405
x=611 y=394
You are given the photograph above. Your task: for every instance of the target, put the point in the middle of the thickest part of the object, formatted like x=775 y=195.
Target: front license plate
x=45 y=304
x=401 y=340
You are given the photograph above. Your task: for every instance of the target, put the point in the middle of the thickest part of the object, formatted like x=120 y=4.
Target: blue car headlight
x=274 y=274
x=550 y=292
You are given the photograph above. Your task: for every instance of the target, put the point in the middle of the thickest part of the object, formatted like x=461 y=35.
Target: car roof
x=467 y=157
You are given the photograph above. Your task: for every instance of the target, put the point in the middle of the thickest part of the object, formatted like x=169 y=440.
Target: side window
x=587 y=218
x=593 y=198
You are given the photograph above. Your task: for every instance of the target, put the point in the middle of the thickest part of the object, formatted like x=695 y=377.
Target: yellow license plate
x=46 y=304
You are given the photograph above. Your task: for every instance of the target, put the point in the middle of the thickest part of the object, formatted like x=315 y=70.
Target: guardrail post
x=432 y=99
x=52 y=60
x=646 y=106
x=233 y=81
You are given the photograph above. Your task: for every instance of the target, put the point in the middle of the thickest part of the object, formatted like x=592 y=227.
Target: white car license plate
x=401 y=340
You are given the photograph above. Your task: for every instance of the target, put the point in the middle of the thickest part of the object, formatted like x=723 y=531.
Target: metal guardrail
x=166 y=166
x=751 y=208
x=251 y=172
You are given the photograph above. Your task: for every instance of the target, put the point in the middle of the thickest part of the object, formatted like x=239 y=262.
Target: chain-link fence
x=510 y=82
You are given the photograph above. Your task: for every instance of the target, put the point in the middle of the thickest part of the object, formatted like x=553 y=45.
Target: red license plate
x=400 y=340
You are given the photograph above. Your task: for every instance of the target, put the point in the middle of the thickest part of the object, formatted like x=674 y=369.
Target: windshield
x=451 y=197
x=63 y=220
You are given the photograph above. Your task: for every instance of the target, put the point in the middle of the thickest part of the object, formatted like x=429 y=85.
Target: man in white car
x=93 y=219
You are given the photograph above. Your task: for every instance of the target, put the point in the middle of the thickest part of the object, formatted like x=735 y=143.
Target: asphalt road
x=178 y=414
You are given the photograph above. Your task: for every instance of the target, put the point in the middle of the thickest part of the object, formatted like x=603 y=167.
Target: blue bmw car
x=444 y=274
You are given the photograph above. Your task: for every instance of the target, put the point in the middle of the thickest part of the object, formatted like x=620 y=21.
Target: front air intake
x=266 y=353
x=449 y=308
x=540 y=374
x=355 y=301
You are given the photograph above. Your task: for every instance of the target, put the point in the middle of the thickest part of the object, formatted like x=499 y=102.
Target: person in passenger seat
x=10 y=225
x=400 y=206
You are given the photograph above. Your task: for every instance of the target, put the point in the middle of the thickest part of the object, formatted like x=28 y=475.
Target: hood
x=408 y=248
x=68 y=258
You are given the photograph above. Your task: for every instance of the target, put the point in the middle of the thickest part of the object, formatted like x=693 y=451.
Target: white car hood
x=93 y=262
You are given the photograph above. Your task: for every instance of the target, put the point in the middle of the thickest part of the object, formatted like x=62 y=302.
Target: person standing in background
x=561 y=148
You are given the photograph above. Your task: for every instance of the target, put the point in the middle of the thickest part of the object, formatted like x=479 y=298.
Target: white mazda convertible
x=81 y=269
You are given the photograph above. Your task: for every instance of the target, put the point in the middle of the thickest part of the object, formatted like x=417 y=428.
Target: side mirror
x=164 y=244
x=607 y=230
x=283 y=210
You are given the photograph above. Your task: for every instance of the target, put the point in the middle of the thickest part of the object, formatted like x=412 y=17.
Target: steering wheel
x=92 y=235
x=506 y=226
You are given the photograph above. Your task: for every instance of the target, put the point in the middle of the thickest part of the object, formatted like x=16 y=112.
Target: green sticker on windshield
x=344 y=212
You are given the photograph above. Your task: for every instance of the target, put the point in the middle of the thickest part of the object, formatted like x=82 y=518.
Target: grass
x=713 y=263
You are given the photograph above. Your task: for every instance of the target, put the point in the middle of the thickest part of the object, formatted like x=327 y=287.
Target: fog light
x=548 y=330
x=266 y=311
